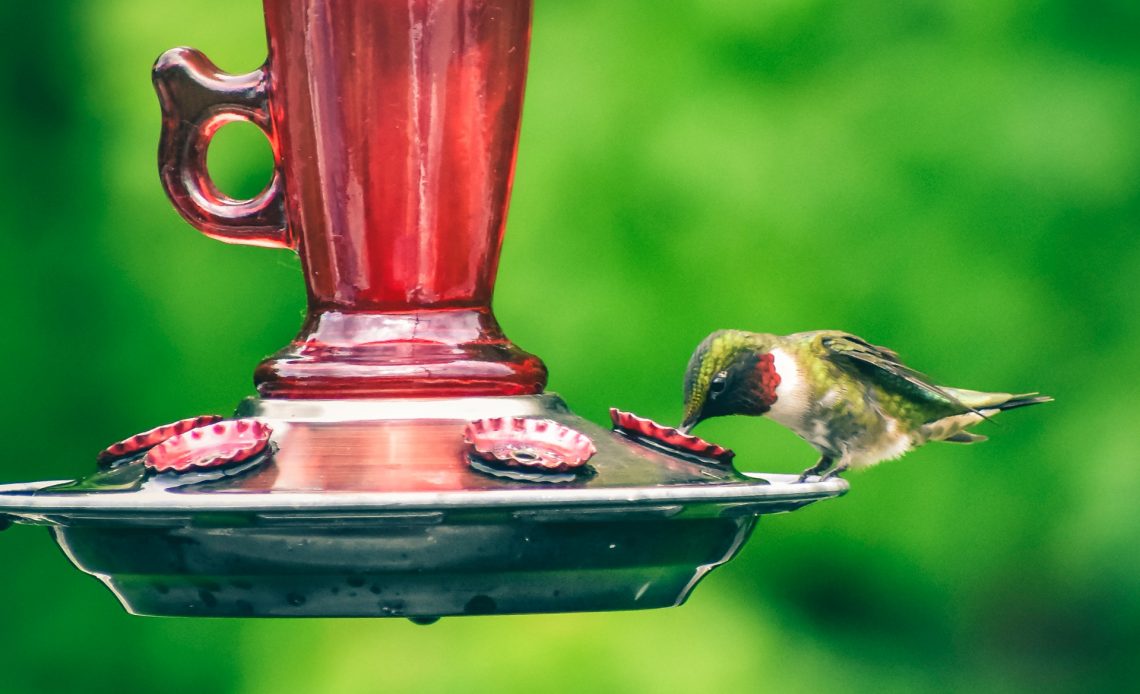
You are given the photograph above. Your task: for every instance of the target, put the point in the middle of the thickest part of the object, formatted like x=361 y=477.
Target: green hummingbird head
x=730 y=372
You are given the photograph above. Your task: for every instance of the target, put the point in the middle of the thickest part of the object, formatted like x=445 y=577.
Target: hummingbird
x=855 y=402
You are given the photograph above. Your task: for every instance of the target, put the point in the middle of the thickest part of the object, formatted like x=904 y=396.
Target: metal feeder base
x=373 y=511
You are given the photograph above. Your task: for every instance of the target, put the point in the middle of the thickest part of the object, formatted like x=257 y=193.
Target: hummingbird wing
x=883 y=366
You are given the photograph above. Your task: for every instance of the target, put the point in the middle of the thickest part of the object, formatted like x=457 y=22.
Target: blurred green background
x=960 y=181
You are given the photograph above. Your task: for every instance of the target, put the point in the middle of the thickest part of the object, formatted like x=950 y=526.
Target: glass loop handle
x=197 y=99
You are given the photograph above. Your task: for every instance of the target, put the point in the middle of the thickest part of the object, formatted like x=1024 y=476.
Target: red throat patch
x=768 y=379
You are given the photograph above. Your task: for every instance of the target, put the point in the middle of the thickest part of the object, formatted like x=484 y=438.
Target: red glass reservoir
x=395 y=125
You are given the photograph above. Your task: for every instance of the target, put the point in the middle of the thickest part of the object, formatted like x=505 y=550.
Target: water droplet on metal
x=480 y=604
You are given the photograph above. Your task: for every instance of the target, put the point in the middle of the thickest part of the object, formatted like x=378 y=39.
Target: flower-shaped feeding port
x=216 y=445
x=527 y=449
x=132 y=448
x=648 y=432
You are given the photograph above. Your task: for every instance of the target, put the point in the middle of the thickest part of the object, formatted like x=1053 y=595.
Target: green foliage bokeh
x=960 y=181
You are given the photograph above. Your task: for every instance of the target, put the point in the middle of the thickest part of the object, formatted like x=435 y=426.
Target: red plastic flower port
x=646 y=430
x=216 y=445
x=535 y=445
x=139 y=443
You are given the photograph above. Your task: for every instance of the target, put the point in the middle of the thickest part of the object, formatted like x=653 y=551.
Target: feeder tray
x=370 y=508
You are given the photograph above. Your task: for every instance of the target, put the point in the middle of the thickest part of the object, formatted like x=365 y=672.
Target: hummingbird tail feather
x=978 y=400
x=953 y=428
x=965 y=437
x=1023 y=400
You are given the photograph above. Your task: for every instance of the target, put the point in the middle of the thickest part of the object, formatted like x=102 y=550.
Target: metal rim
x=20 y=499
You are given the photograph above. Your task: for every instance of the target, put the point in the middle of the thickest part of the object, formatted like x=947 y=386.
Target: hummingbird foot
x=833 y=472
x=824 y=463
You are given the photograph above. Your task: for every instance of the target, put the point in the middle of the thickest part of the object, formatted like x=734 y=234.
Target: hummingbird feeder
x=401 y=457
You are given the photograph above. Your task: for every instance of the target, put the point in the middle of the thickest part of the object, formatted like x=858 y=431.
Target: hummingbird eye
x=716 y=387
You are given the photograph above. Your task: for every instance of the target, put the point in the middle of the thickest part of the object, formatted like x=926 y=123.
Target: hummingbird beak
x=690 y=422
